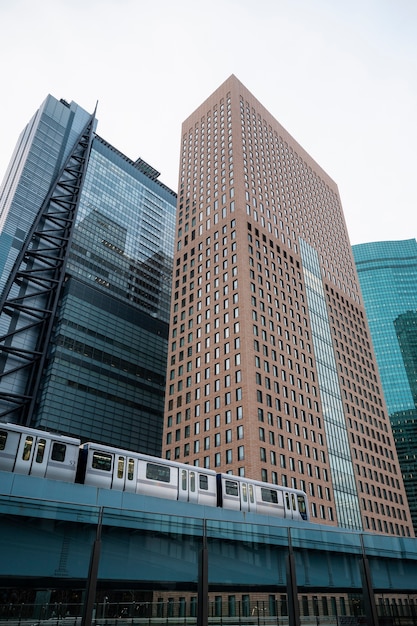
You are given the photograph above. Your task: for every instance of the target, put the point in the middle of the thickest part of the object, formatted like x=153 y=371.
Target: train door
x=247 y=497
x=124 y=473
x=131 y=475
x=290 y=506
x=32 y=455
x=41 y=457
x=119 y=472
x=187 y=485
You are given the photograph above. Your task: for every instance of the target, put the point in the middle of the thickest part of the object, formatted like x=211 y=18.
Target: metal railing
x=222 y=611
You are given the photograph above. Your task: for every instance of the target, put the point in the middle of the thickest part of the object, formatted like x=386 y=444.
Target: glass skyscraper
x=104 y=375
x=387 y=273
x=406 y=331
x=41 y=150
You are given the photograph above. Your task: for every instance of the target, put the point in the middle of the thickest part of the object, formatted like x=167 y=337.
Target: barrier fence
x=223 y=610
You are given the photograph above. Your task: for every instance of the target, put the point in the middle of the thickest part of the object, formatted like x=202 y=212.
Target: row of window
x=58 y=450
x=103 y=461
x=228 y=434
x=362 y=445
x=388 y=527
x=382 y=509
x=218 y=459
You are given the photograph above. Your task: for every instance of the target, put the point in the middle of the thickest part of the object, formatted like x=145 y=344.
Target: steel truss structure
x=30 y=298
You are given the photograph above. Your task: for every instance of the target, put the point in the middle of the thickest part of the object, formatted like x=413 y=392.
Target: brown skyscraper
x=271 y=373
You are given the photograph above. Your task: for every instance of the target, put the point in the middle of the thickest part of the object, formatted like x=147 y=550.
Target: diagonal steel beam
x=30 y=298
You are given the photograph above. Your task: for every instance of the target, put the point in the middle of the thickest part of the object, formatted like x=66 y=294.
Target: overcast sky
x=339 y=75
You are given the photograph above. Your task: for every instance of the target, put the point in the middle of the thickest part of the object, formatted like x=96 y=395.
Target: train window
x=269 y=495
x=27 y=448
x=183 y=480
x=231 y=488
x=158 y=472
x=204 y=482
x=294 y=508
x=102 y=461
x=58 y=452
x=251 y=494
x=287 y=500
x=130 y=469
x=120 y=467
x=3 y=439
x=244 y=492
x=40 y=452
x=192 y=481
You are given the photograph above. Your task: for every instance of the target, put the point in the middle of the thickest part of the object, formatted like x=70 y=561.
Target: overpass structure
x=79 y=554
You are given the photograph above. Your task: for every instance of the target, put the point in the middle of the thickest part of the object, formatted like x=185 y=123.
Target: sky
x=339 y=75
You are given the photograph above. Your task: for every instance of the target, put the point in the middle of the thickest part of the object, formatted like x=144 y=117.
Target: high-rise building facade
x=387 y=272
x=406 y=331
x=40 y=152
x=271 y=373
x=104 y=373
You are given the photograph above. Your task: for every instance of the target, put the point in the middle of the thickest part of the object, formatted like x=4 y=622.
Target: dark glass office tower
x=104 y=374
x=41 y=151
x=387 y=273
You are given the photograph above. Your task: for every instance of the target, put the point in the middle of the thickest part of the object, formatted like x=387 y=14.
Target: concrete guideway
x=49 y=530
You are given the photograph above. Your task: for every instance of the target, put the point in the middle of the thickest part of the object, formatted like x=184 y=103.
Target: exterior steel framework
x=31 y=294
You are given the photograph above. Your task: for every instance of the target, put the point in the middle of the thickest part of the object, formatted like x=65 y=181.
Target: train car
x=38 y=453
x=112 y=468
x=243 y=494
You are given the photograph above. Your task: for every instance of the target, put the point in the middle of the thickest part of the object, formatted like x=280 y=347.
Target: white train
x=38 y=453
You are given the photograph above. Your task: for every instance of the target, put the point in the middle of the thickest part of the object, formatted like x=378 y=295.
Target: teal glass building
x=104 y=374
x=387 y=273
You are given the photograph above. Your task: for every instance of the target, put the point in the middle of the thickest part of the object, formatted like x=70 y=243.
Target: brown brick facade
x=243 y=391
